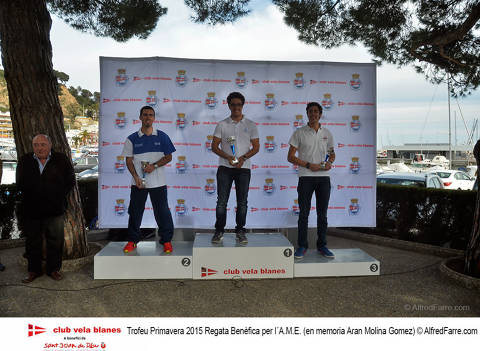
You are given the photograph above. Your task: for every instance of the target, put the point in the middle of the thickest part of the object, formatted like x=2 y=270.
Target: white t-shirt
x=312 y=147
x=244 y=132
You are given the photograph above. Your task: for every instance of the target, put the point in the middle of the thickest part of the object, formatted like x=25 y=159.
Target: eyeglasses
x=235 y=105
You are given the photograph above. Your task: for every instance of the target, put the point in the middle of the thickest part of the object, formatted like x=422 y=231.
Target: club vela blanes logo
x=298 y=81
x=270 y=144
x=211 y=101
x=181 y=78
x=355 y=82
x=210 y=187
x=120 y=207
x=120 y=120
x=35 y=330
x=270 y=101
x=151 y=99
x=121 y=78
x=269 y=186
x=327 y=101
x=120 y=165
x=181 y=121
x=355 y=123
x=240 y=80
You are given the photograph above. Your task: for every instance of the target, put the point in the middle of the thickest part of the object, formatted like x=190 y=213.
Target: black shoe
x=217 y=237
x=242 y=237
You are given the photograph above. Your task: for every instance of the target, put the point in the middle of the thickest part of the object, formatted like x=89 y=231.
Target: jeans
x=161 y=212
x=305 y=189
x=35 y=228
x=225 y=177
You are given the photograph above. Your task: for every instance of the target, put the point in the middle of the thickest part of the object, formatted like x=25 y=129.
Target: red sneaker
x=129 y=247
x=167 y=247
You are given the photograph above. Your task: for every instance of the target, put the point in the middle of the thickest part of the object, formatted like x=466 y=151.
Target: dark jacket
x=44 y=194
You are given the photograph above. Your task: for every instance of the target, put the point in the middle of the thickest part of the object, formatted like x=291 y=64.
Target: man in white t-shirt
x=147 y=152
x=314 y=145
x=239 y=134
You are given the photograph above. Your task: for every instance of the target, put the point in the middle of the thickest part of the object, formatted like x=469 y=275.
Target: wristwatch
x=307 y=166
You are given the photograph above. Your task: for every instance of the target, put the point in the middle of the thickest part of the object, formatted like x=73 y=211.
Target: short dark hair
x=147 y=108
x=235 y=95
x=311 y=104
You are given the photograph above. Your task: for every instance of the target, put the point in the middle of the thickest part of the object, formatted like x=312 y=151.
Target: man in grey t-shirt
x=314 y=145
x=240 y=134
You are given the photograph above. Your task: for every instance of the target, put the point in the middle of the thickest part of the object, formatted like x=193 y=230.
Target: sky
x=410 y=109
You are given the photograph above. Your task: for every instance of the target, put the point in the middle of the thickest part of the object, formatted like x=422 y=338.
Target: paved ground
x=410 y=285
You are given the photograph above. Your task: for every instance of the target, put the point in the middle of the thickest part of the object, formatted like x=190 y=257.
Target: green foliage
x=62 y=77
x=435 y=36
x=432 y=216
x=87 y=100
x=217 y=11
x=118 y=19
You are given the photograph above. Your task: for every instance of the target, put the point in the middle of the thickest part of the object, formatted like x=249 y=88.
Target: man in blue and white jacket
x=147 y=152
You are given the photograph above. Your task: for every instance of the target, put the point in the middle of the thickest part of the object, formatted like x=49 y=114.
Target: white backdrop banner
x=189 y=97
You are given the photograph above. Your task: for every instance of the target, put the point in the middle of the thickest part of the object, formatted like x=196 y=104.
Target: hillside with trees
x=74 y=101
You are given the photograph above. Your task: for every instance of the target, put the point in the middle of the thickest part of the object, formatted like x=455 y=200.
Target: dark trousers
x=35 y=229
x=161 y=212
x=305 y=189
x=225 y=177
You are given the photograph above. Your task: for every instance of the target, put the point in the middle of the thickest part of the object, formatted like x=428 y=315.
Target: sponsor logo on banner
x=299 y=82
x=270 y=101
x=207 y=271
x=355 y=82
x=181 y=165
x=269 y=186
x=120 y=164
x=240 y=80
x=354 y=207
x=208 y=143
x=295 y=207
x=270 y=145
x=180 y=208
x=151 y=99
x=355 y=124
x=327 y=101
x=181 y=78
x=181 y=121
x=298 y=123
x=210 y=187
x=120 y=121
x=355 y=166
x=35 y=330
x=120 y=207
x=211 y=101
x=121 y=78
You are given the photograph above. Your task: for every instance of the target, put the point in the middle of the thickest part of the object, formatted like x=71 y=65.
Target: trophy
x=330 y=152
x=144 y=165
x=231 y=140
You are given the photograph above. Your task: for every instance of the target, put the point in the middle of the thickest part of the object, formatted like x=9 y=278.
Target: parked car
x=84 y=162
x=424 y=180
x=456 y=179
x=88 y=173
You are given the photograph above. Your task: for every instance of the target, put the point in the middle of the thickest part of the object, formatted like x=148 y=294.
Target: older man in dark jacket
x=45 y=178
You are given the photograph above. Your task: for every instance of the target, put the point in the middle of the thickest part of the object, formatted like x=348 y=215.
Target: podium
x=266 y=256
x=147 y=261
x=347 y=262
